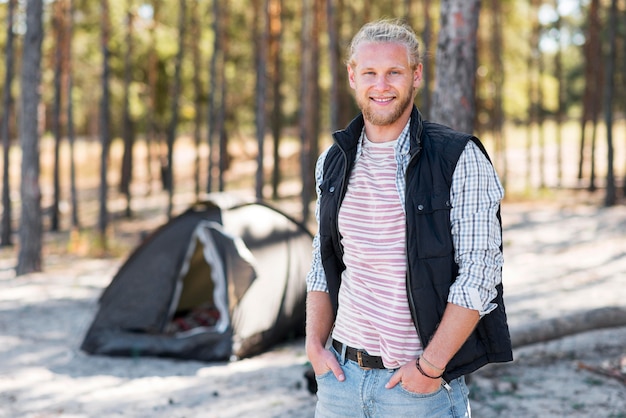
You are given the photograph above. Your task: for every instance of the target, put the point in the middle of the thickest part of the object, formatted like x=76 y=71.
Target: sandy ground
x=559 y=260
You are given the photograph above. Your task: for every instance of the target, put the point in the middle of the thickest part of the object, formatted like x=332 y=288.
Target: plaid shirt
x=475 y=196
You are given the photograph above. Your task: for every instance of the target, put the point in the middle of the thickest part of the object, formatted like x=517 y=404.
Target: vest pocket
x=432 y=232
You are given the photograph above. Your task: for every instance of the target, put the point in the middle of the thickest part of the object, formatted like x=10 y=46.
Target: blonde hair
x=387 y=30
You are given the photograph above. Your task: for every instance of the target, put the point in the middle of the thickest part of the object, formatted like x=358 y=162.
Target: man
x=404 y=293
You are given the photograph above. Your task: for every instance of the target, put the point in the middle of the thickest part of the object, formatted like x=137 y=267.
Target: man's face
x=383 y=81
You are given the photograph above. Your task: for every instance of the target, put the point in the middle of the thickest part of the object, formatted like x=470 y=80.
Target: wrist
x=429 y=364
x=313 y=346
x=426 y=373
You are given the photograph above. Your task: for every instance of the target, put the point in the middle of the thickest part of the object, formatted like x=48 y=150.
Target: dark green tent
x=225 y=278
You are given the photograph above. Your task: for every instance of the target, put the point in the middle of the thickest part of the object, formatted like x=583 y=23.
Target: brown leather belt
x=361 y=357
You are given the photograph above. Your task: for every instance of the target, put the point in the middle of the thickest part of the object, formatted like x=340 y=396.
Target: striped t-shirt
x=373 y=305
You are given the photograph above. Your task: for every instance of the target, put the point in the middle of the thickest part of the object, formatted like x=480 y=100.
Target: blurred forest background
x=109 y=104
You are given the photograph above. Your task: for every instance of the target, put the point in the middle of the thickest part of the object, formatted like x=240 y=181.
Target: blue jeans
x=363 y=394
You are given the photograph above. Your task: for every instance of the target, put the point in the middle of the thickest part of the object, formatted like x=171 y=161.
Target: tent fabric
x=225 y=278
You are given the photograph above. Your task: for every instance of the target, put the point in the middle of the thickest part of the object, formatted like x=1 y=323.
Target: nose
x=381 y=83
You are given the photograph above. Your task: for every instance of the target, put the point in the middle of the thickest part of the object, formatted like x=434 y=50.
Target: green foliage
x=155 y=42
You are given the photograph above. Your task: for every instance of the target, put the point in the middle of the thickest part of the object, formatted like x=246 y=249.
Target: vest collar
x=348 y=138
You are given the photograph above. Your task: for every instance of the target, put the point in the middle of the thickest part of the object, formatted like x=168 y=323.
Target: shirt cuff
x=470 y=298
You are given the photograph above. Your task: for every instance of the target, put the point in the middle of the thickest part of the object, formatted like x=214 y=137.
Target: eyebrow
x=396 y=67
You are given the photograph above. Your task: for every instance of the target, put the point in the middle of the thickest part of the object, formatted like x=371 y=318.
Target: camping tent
x=225 y=278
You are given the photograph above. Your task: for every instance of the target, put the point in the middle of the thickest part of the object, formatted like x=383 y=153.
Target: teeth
x=383 y=100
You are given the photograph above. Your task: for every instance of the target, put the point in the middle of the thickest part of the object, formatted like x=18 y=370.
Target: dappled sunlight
x=550 y=252
x=268 y=362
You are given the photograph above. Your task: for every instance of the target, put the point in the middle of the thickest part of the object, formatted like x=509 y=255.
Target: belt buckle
x=359 y=357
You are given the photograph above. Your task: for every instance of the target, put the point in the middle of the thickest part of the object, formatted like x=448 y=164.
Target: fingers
x=337 y=371
x=334 y=366
x=328 y=362
x=395 y=379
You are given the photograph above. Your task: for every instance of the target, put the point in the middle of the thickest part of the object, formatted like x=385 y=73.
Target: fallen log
x=554 y=328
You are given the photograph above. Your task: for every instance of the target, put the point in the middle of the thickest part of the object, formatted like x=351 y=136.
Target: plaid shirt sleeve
x=475 y=195
x=316 y=278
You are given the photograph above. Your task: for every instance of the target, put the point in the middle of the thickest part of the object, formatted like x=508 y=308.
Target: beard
x=388 y=117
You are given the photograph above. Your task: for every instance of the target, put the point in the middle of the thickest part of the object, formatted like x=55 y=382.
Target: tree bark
x=262 y=27
x=30 y=252
x=333 y=66
x=105 y=120
x=215 y=73
x=151 y=126
x=70 y=114
x=592 y=50
x=176 y=91
x=127 y=122
x=309 y=97
x=533 y=102
x=7 y=103
x=611 y=195
x=57 y=118
x=560 y=112
x=196 y=30
x=541 y=118
x=222 y=114
x=454 y=95
x=498 y=76
x=425 y=96
x=276 y=29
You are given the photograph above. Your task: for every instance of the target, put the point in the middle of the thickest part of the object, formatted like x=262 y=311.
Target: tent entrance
x=200 y=301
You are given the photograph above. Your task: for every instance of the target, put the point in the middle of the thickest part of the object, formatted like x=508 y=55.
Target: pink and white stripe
x=373 y=304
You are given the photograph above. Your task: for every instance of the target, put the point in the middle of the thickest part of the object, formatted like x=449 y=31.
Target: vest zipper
x=409 y=291
x=342 y=191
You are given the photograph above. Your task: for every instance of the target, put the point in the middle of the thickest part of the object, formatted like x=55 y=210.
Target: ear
x=417 y=76
x=351 y=76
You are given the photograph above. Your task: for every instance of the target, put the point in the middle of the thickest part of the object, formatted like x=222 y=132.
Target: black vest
x=431 y=269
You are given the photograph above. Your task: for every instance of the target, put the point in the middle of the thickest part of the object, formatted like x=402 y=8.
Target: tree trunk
x=622 y=96
x=70 y=117
x=30 y=252
x=541 y=119
x=611 y=195
x=560 y=112
x=425 y=97
x=276 y=28
x=176 y=91
x=197 y=68
x=261 y=35
x=334 y=60
x=592 y=50
x=214 y=72
x=533 y=82
x=127 y=123
x=151 y=129
x=222 y=113
x=497 y=117
x=105 y=120
x=7 y=104
x=454 y=96
x=309 y=114
x=57 y=118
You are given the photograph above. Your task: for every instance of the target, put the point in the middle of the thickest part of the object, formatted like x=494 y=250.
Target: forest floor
x=564 y=254
x=560 y=259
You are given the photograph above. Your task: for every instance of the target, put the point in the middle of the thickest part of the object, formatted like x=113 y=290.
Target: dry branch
x=612 y=373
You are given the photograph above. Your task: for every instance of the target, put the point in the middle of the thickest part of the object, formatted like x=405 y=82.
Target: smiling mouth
x=382 y=100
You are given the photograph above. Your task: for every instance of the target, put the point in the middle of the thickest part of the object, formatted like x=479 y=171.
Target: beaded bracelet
x=417 y=364
x=432 y=365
